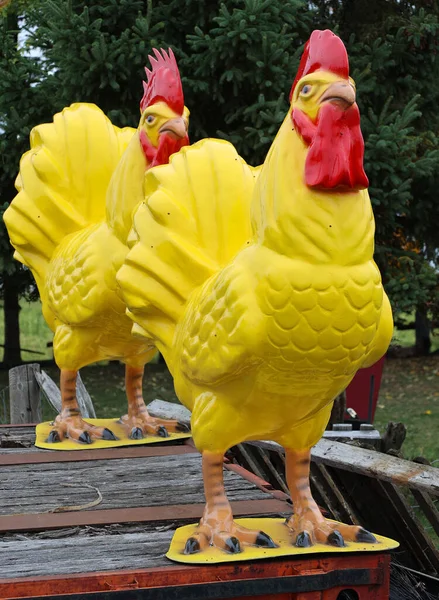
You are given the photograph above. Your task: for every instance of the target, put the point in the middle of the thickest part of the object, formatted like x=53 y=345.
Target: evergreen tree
x=238 y=59
x=23 y=104
x=393 y=50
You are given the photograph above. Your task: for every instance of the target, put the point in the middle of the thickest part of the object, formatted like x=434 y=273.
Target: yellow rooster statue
x=69 y=223
x=261 y=292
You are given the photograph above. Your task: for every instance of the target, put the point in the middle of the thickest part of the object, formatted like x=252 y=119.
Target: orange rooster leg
x=217 y=527
x=307 y=522
x=69 y=423
x=138 y=422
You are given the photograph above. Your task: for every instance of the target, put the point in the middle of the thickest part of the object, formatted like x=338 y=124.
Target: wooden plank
x=320 y=495
x=334 y=500
x=84 y=552
x=258 y=482
x=24 y=394
x=168 y=410
x=413 y=532
x=377 y=514
x=271 y=473
x=428 y=507
x=123 y=483
x=47 y=456
x=22 y=426
x=84 y=399
x=180 y=512
x=164 y=574
x=53 y=395
x=50 y=390
x=370 y=463
x=245 y=458
x=11 y=442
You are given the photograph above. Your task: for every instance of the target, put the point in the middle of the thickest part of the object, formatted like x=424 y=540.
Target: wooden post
x=24 y=394
x=52 y=393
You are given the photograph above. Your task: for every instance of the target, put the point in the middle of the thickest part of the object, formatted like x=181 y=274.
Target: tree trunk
x=422 y=329
x=12 y=353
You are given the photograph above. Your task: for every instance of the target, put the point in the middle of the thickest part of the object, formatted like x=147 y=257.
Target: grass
x=34 y=333
x=409 y=390
x=410 y=393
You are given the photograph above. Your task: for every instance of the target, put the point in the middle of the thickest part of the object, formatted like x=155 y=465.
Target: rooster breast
x=319 y=320
x=81 y=283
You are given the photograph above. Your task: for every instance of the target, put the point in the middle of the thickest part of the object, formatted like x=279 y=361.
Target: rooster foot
x=309 y=530
x=74 y=427
x=227 y=536
x=141 y=425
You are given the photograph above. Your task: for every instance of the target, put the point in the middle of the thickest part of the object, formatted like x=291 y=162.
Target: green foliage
x=393 y=49
x=242 y=64
x=238 y=60
x=23 y=104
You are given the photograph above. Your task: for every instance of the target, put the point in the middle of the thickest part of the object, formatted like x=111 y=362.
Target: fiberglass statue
x=69 y=223
x=259 y=288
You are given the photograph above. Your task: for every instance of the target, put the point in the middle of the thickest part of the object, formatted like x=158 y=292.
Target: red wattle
x=336 y=148
x=168 y=145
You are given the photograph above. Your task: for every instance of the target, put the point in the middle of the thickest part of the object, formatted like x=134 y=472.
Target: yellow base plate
x=278 y=532
x=43 y=430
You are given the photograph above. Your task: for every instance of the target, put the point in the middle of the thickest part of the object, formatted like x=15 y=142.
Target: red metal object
x=367 y=575
x=362 y=392
x=257 y=481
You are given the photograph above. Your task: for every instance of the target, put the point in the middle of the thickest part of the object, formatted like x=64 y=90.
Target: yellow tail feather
x=195 y=218
x=62 y=182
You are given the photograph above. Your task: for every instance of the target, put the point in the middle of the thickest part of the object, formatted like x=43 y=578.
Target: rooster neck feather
x=125 y=190
x=302 y=223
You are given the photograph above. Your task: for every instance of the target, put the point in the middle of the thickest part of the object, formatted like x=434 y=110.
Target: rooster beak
x=176 y=127
x=340 y=93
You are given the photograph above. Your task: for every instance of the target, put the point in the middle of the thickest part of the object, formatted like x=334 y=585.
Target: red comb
x=324 y=51
x=163 y=82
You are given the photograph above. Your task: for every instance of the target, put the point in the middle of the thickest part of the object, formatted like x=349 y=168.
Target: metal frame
x=368 y=574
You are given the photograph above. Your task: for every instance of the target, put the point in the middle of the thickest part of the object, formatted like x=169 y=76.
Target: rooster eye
x=150 y=119
x=306 y=89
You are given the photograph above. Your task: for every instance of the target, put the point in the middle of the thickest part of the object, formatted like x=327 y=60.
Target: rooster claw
x=53 y=437
x=264 y=541
x=192 y=546
x=162 y=431
x=85 y=438
x=303 y=540
x=136 y=433
x=107 y=434
x=336 y=539
x=232 y=545
x=182 y=428
x=364 y=536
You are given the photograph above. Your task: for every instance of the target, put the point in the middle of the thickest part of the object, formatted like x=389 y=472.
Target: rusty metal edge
x=33 y=458
x=257 y=481
x=147 y=514
x=174 y=574
x=23 y=425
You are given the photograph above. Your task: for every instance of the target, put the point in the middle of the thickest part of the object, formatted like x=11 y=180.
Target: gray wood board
x=85 y=550
x=123 y=483
x=370 y=463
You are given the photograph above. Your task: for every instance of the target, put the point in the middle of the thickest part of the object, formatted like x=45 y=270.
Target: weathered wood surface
x=371 y=463
x=378 y=491
x=134 y=483
x=84 y=550
x=326 y=452
x=17 y=438
x=53 y=394
x=24 y=394
x=123 y=483
x=167 y=410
